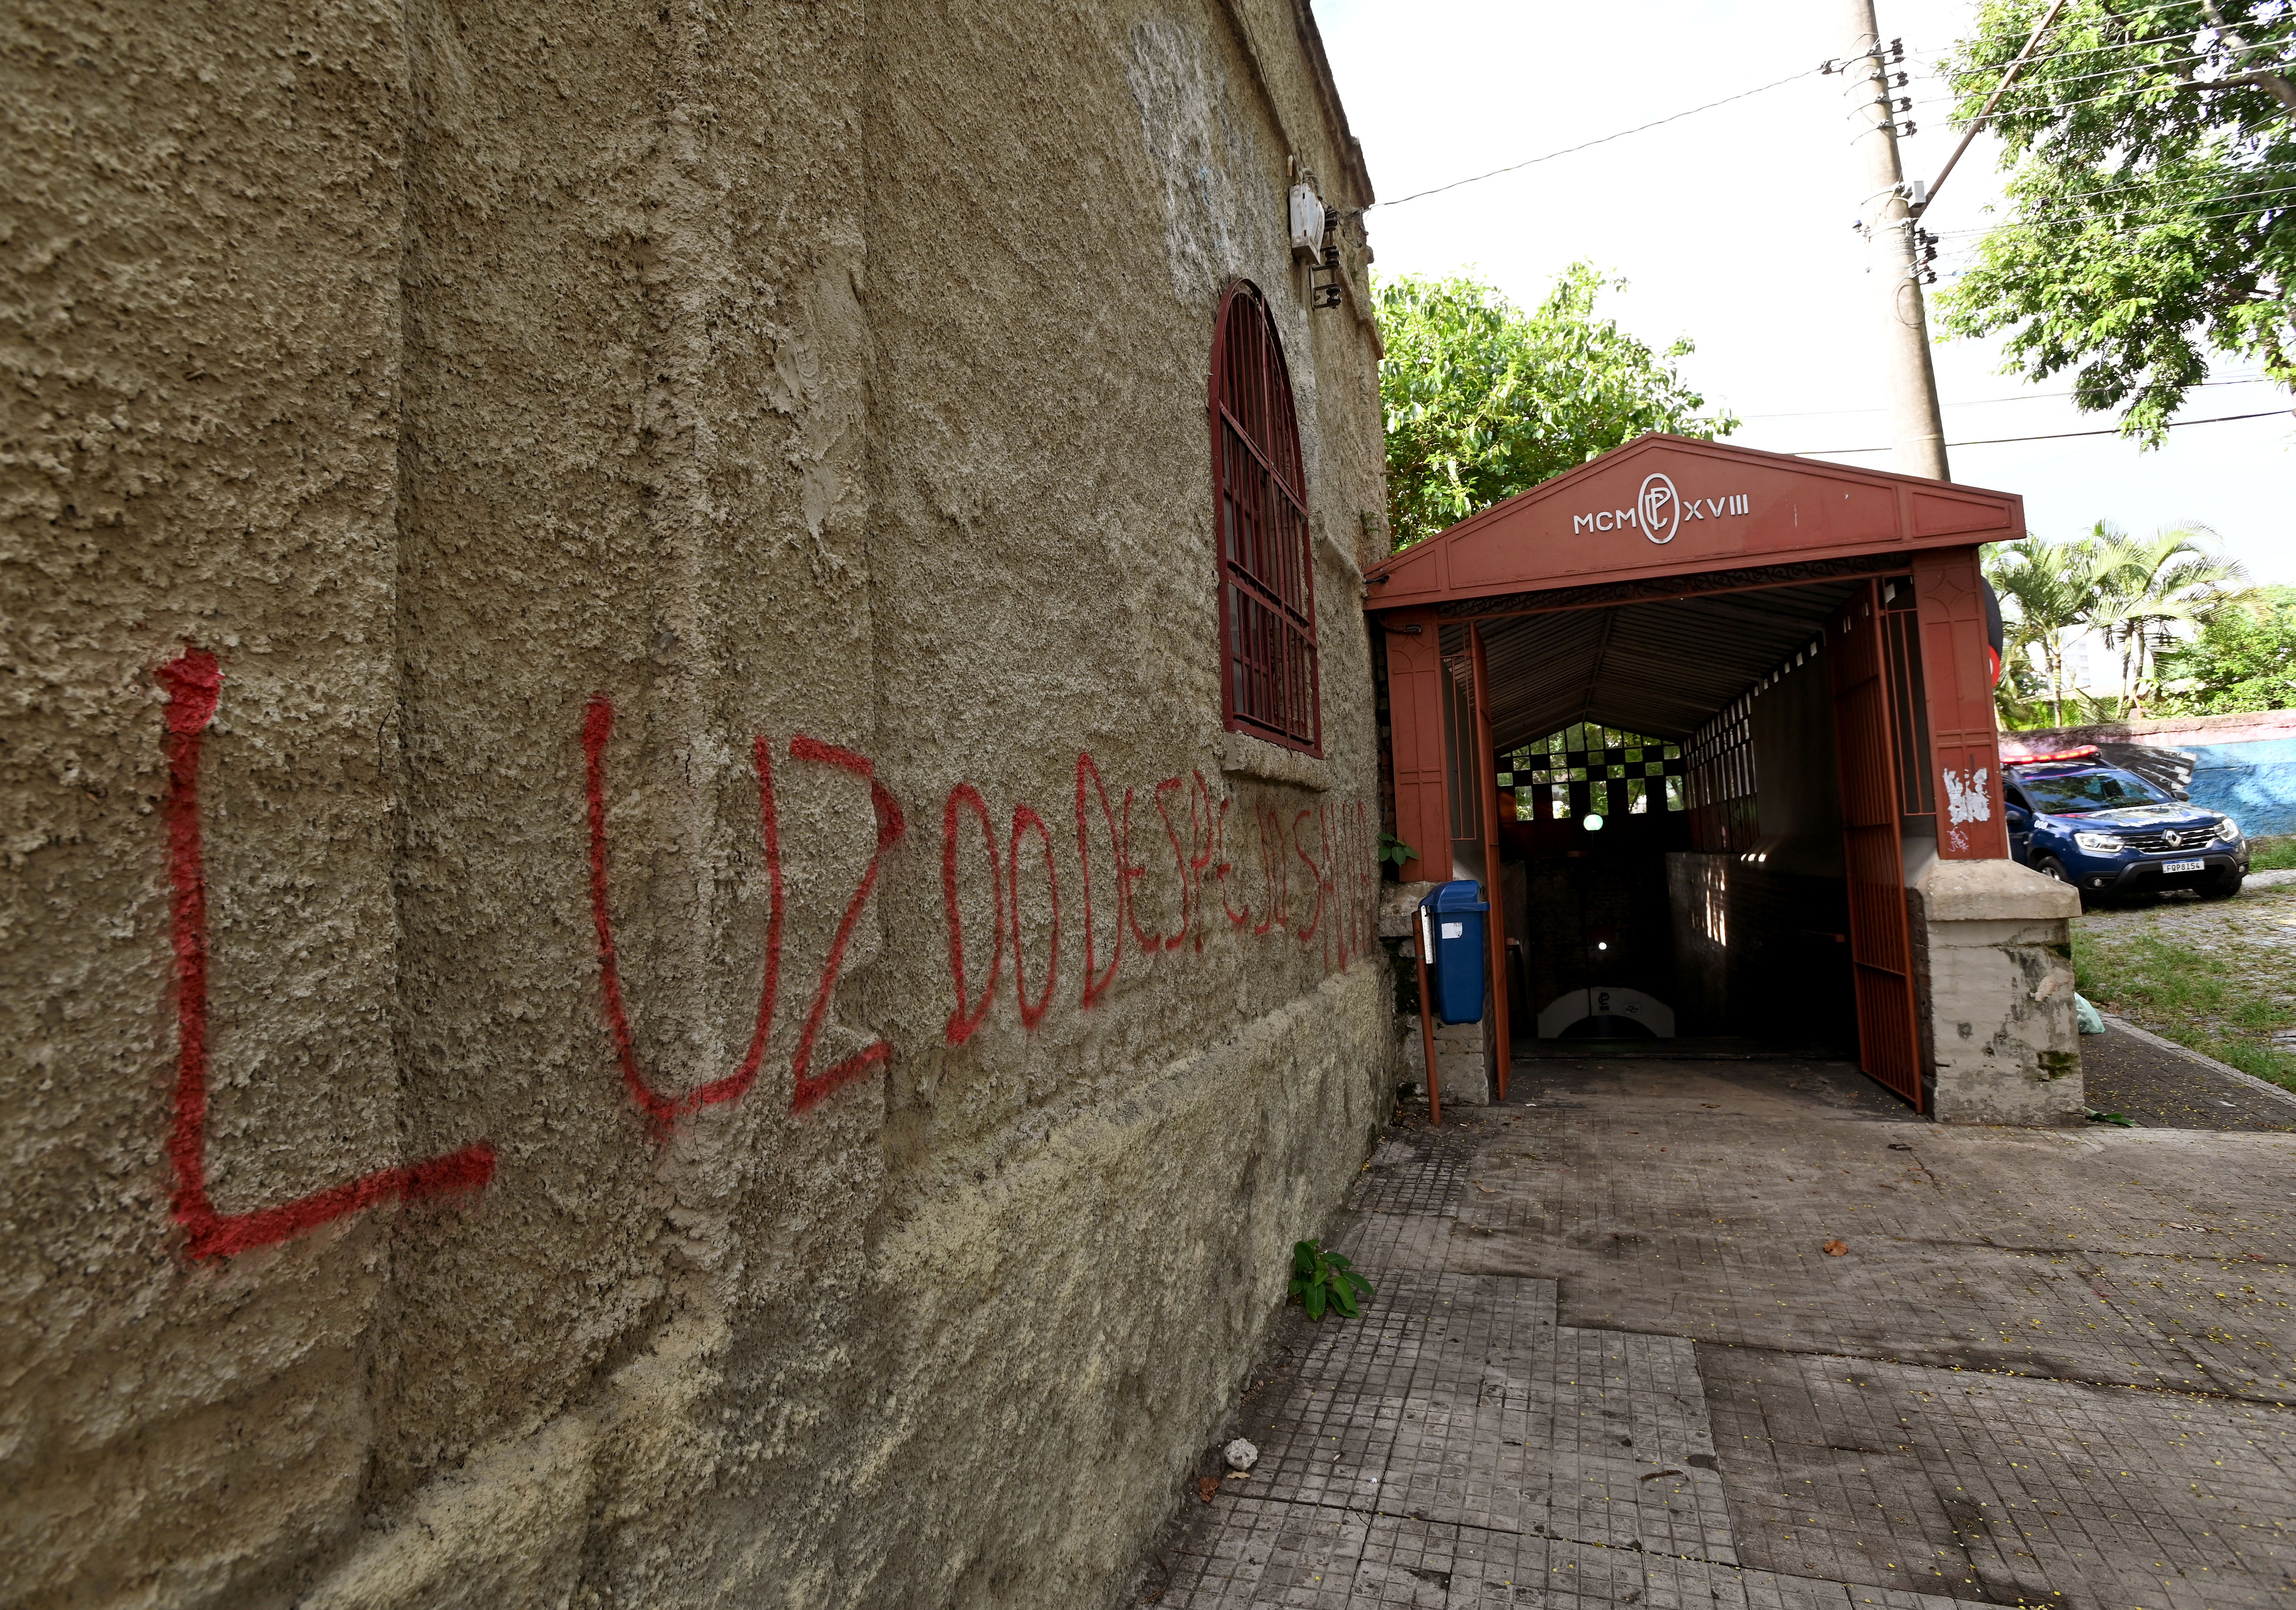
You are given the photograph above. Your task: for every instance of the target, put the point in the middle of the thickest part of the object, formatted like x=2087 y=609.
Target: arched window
x=1267 y=582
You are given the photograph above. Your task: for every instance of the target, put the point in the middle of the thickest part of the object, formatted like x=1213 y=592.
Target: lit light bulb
x=1602 y=944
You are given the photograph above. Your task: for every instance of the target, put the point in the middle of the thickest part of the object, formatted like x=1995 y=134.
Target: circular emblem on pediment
x=1658 y=507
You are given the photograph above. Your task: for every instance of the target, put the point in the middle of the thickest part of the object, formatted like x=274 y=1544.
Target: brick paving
x=1609 y=1362
x=2164 y=1086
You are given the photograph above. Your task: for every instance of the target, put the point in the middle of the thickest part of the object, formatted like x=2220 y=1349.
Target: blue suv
x=2109 y=832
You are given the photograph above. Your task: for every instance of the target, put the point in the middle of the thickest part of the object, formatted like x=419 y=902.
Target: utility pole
x=1917 y=427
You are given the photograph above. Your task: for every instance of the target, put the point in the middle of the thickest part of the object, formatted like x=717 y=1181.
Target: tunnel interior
x=1669 y=822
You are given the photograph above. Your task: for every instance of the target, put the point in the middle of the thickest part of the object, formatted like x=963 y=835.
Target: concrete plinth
x=1992 y=963
x=1397 y=904
x=1463 y=1064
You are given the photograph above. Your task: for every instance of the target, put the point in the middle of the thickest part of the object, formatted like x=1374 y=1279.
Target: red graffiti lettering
x=1273 y=876
x=664 y=1111
x=1367 y=871
x=1024 y=819
x=808 y=1089
x=1202 y=844
x=1180 y=864
x=961 y=1024
x=1094 y=988
x=1300 y=849
x=193 y=683
x=1131 y=872
x=1219 y=838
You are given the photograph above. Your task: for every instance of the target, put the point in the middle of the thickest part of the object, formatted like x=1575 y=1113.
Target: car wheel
x=2049 y=866
x=2222 y=887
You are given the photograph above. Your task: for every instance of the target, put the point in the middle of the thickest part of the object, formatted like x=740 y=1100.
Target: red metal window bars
x=1267 y=583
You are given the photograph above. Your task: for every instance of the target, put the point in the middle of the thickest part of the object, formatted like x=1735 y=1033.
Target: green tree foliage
x=2244 y=658
x=2152 y=150
x=1482 y=399
x=2134 y=591
x=2150 y=587
x=2046 y=590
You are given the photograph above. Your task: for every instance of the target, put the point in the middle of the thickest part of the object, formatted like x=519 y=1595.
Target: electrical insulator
x=1905 y=104
x=1907 y=129
x=1899 y=80
x=1897 y=50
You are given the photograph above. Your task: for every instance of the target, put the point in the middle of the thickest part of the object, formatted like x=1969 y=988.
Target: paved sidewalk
x=2160 y=1085
x=1611 y=1362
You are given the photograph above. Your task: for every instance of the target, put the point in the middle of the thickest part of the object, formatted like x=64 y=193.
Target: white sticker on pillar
x=1965 y=800
x=1455 y=931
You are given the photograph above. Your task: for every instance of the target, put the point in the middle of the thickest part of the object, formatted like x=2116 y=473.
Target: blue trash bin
x=1451 y=927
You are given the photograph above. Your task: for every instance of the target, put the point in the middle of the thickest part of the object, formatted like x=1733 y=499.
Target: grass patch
x=2272 y=855
x=2209 y=992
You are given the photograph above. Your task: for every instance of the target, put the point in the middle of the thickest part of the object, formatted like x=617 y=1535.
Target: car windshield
x=2103 y=789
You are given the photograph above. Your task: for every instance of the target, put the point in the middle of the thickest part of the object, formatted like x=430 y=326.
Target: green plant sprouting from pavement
x=1322 y=1279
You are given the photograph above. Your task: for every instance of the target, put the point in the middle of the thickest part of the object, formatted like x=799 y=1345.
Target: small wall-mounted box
x=1307 y=224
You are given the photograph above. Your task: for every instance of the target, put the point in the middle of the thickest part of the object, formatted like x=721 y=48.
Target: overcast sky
x=1733 y=227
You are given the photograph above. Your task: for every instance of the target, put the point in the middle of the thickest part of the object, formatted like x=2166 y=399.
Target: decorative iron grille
x=1267 y=583
x=1592 y=770
x=1722 y=789
x=1909 y=713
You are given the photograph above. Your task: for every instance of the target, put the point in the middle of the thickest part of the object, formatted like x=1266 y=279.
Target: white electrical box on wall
x=1307 y=224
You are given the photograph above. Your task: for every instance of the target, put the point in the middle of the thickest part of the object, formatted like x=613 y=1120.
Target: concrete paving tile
x=1621 y=1369
x=2031 y=1251
x=1976 y=1486
x=1417 y=1171
x=1422 y=1563
x=1240 y=1552
x=2157 y=1085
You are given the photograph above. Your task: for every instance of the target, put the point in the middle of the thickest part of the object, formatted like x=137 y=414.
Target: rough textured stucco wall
x=696 y=474
x=204 y=220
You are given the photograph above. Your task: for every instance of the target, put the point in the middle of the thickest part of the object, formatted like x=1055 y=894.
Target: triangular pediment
x=1671 y=505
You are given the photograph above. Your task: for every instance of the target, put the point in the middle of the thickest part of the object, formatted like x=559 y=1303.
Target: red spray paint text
x=1337 y=887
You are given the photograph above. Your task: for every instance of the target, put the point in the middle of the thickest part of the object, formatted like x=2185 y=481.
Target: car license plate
x=2182 y=865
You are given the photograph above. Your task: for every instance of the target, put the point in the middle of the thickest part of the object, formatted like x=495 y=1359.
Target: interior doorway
x=1701 y=720
x=1672 y=864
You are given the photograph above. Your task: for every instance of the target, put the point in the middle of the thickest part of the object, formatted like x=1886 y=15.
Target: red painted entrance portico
x=1679 y=580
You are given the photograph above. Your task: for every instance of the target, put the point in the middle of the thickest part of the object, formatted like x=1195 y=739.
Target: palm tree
x=2147 y=586
x=2046 y=589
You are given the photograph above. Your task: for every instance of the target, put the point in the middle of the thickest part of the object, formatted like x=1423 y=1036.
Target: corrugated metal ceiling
x=1660 y=669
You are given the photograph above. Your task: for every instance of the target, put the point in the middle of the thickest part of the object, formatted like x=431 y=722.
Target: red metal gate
x=1867 y=748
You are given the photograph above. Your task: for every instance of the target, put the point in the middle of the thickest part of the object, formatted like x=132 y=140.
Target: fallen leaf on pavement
x=1835 y=1249
x=1654 y=1476
x=1206 y=1486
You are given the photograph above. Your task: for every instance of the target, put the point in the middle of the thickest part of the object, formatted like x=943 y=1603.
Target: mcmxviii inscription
x=1660 y=511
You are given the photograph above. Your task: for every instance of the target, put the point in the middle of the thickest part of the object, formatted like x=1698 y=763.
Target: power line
x=1994 y=441
x=2032 y=219
x=2090 y=50
x=2112 y=95
x=1970 y=252
x=2158 y=181
x=2080 y=77
x=1604 y=140
x=1976 y=402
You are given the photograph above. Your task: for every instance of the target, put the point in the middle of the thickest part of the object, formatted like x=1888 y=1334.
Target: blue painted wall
x=2254 y=783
